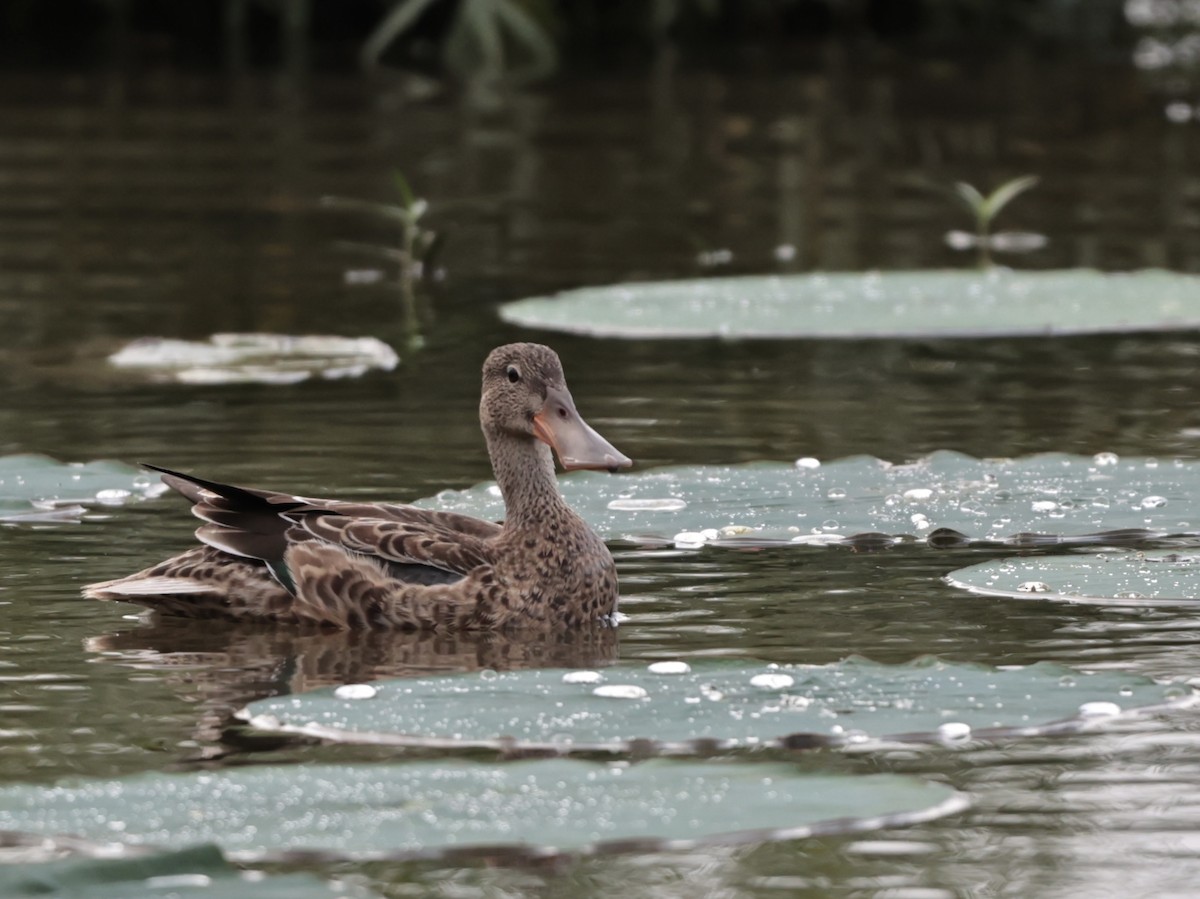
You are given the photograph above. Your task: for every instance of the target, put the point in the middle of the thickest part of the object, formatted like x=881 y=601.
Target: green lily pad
x=198 y=872
x=677 y=707
x=1130 y=579
x=254 y=358
x=427 y=808
x=945 y=498
x=38 y=488
x=932 y=303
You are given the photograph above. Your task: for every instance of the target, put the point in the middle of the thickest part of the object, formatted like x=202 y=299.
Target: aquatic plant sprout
x=984 y=209
x=426 y=808
x=847 y=305
x=706 y=705
x=944 y=498
x=1161 y=577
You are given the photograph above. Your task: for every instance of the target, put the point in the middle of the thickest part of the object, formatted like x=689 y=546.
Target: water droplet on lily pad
x=772 y=681
x=355 y=691
x=672 y=667
x=620 y=691
x=647 y=505
x=1034 y=587
x=1099 y=709
x=953 y=731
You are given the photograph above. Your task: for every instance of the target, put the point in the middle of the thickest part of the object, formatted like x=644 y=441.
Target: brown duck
x=276 y=557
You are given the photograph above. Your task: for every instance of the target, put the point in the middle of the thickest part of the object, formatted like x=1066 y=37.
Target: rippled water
x=179 y=206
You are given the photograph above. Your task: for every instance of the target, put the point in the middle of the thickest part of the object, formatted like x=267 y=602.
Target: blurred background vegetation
x=528 y=38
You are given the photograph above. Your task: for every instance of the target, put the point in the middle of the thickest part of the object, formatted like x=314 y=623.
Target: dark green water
x=178 y=206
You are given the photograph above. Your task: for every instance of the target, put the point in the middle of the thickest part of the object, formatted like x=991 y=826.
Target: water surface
x=179 y=205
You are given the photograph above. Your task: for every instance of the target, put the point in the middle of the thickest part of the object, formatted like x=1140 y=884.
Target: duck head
x=525 y=396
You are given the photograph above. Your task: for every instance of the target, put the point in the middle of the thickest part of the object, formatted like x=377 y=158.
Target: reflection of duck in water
x=219 y=668
x=278 y=557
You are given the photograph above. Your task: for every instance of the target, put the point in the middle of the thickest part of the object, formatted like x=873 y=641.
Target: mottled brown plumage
x=278 y=557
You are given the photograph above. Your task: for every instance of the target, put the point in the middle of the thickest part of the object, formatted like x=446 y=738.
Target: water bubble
x=688 y=540
x=1067 y=681
x=582 y=677
x=1099 y=709
x=829 y=524
x=1150 y=462
x=355 y=691
x=893 y=499
x=1044 y=505
x=835 y=493
x=487 y=674
x=668 y=504
x=808 y=462
x=1034 y=587
x=916 y=494
x=669 y=668
x=113 y=496
x=1105 y=459
x=711 y=693
x=620 y=691
x=1153 y=502
x=772 y=681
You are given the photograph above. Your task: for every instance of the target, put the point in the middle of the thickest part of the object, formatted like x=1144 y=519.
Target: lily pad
x=933 y=303
x=38 y=488
x=255 y=358
x=706 y=705
x=1127 y=579
x=427 y=808
x=945 y=498
x=198 y=872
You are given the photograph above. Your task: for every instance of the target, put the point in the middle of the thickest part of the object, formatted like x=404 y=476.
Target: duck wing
x=415 y=546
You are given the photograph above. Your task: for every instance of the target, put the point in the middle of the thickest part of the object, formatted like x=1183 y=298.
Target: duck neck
x=524 y=471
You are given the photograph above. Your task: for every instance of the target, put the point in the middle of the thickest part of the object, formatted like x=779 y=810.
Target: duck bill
x=573 y=440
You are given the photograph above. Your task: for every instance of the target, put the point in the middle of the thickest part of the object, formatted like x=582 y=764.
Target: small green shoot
x=416 y=247
x=985 y=209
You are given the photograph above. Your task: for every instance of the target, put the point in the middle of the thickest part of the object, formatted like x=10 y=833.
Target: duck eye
x=513 y=373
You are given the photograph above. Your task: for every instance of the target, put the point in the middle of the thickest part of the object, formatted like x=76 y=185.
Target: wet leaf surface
x=946 y=498
x=1109 y=578
x=932 y=303
x=425 y=808
x=682 y=707
x=38 y=488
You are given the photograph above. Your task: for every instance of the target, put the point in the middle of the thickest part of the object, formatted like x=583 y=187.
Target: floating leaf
x=945 y=498
x=38 y=488
x=425 y=808
x=255 y=358
x=933 y=303
x=1129 y=579
x=710 y=705
x=199 y=871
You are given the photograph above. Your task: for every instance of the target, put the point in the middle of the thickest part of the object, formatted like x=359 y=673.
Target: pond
x=179 y=205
